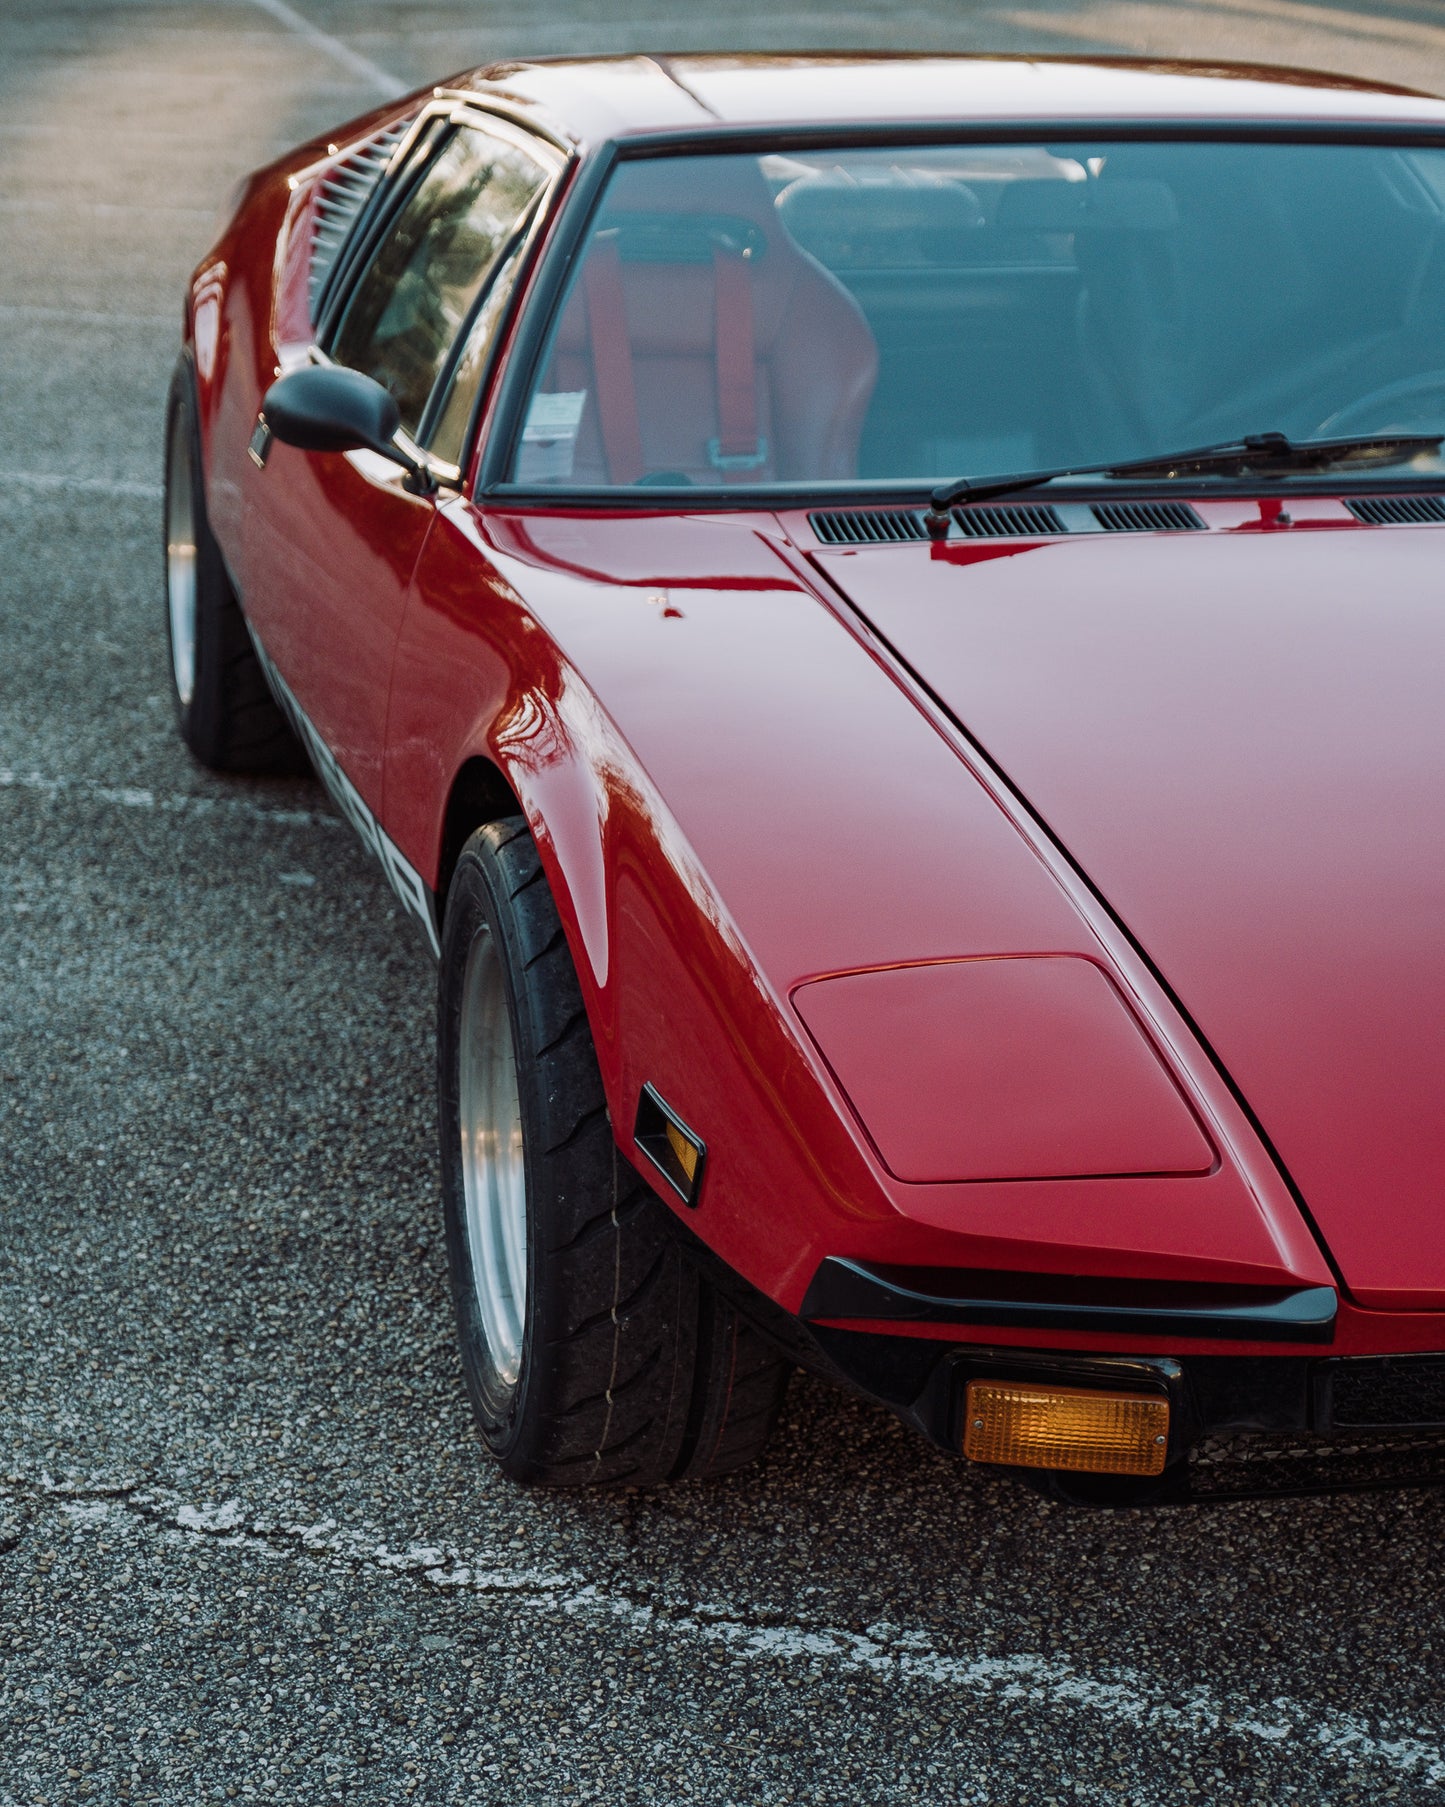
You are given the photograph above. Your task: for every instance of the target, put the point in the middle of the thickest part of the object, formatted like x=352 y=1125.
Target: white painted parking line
x=46 y=482
x=385 y=83
x=158 y=135
x=1134 y=24
x=103 y=209
x=84 y=316
x=1119 y=1695
x=136 y=796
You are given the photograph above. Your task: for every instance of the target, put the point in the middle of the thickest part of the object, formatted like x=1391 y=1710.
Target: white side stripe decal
x=405 y=880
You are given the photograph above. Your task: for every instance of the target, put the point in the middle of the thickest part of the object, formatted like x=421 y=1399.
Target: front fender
x=733 y=800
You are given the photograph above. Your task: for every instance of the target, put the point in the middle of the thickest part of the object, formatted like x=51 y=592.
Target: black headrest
x=845 y=221
x=679 y=238
x=1117 y=204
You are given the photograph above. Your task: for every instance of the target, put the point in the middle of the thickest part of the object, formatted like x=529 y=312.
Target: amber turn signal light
x=685 y=1151
x=674 y=1150
x=1065 y=1427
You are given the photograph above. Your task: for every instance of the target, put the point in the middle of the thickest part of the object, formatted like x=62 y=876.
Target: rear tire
x=593 y=1350
x=224 y=710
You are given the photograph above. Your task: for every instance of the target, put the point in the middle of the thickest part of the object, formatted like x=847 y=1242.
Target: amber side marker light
x=1065 y=1427
x=674 y=1150
x=685 y=1152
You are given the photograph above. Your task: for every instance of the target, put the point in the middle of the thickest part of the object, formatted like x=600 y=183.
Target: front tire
x=224 y=709
x=593 y=1351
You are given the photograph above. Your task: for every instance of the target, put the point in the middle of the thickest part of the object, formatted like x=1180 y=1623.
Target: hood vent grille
x=893 y=527
x=867 y=527
x=1037 y=520
x=1018 y=520
x=1397 y=511
x=1146 y=517
x=341 y=198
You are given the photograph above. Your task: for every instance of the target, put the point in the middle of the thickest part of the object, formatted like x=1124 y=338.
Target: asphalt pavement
x=249 y=1548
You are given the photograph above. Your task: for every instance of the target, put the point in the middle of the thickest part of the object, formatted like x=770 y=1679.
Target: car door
x=333 y=538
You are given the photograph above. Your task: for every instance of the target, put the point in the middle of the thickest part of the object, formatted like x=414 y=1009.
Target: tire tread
x=635 y=1373
x=232 y=722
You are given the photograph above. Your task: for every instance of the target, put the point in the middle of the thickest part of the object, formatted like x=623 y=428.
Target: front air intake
x=340 y=199
x=1397 y=511
x=1146 y=517
x=1378 y=1392
x=867 y=527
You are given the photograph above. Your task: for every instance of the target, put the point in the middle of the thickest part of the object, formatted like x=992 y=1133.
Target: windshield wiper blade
x=1274 y=451
x=1255 y=452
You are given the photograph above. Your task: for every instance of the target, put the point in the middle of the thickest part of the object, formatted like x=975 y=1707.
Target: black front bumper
x=1240 y=1426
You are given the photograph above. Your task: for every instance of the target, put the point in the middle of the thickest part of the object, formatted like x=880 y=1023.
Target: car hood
x=1240 y=739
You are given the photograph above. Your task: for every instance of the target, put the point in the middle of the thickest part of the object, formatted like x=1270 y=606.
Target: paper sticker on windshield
x=554 y=414
x=549 y=438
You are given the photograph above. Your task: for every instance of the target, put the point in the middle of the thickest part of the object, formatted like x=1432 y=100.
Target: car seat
x=703 y=345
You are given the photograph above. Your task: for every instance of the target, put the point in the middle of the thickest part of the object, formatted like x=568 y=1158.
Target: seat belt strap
x=612 y=362
x=737 y=446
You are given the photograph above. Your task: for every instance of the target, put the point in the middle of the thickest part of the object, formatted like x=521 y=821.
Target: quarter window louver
x=341 y=198
x=867 y=527
x=1018 y=521
x=1397 y=511
x=1147 y=517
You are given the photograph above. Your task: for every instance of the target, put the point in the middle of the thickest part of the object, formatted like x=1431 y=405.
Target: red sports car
x=883 y=617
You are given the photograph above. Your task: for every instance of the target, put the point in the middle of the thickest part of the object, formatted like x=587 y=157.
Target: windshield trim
x=720 y=139
x=767 y=498
x=572 y=221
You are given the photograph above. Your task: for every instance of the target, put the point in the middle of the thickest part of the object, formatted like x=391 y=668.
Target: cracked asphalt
x=249 y=1549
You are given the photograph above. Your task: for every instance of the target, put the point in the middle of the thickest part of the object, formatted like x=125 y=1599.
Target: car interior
x=926 y=312
x=701 y=343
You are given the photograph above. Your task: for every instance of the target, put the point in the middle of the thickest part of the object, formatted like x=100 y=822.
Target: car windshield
x=921 y=313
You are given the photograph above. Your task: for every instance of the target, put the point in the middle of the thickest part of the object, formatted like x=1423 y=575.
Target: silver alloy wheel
x=181 y=558
x=493 y=1173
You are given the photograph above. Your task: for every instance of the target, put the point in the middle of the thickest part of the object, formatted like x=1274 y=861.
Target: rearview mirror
x=324 y=408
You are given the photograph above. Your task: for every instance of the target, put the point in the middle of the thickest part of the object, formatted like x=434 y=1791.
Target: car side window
x=435 y=259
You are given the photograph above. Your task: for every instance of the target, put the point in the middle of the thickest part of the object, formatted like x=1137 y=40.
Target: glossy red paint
x=764 y=90
x=309 y=602
x=760 y=721
x=590 y=99
x=741 y=793
x=1017 y=1069
x=1236 y=737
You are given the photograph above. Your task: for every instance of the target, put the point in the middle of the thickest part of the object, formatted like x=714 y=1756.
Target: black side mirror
x=324 y=408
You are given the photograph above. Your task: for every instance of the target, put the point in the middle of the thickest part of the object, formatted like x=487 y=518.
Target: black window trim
x=511 y=246
x=533 y=333
x=392 y=193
